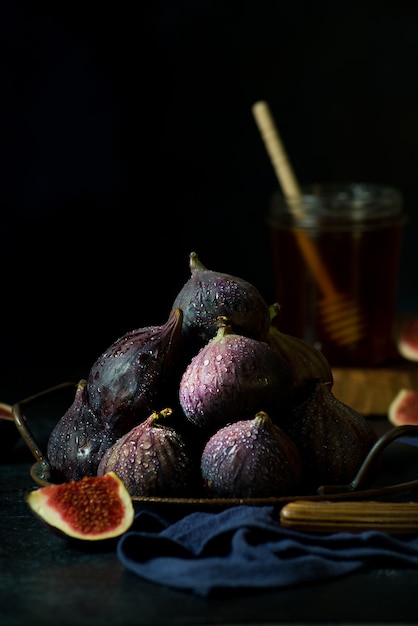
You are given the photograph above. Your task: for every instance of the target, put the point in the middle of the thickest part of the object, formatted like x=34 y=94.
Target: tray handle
x=369 y=463
x=43 y=469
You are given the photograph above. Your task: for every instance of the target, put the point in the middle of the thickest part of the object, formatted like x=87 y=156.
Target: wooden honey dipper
x=341 y=317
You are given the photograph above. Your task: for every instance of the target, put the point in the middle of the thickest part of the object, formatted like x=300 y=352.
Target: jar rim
x=336 y=206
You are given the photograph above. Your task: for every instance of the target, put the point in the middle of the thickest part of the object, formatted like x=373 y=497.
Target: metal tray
x=40 y=471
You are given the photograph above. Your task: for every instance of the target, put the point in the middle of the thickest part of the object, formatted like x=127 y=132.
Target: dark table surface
x=45 y=580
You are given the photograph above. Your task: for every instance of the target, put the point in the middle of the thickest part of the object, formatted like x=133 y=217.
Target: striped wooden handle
x=328 y=516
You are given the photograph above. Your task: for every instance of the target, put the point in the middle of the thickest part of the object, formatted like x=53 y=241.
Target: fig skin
x=137 y=371
x=91 y=509
x=209 y=294
x=153 y=459
x=306 y=363
x=252 y=458
x=333 y=438
x=232 y=378
x=78 y=440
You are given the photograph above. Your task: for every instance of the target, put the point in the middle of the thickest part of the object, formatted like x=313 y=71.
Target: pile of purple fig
x=216 y=402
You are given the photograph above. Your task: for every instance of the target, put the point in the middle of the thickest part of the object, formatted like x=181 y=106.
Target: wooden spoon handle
x=329 y=516
x=292 y=192
x=278 y=155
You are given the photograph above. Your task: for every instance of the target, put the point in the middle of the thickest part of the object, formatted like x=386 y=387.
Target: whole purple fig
x=209 y=294
x=231 y=378
x=135 y=372
x=251 y=458
x=152 y=459
x=78 y=440
x=332 y=437
x=306 y=363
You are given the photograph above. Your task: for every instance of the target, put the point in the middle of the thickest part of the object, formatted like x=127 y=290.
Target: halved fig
x=404 y=408
x=407 y=340
x=93 y=508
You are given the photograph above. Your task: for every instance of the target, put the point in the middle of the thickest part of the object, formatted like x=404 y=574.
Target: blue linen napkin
x=245 y=547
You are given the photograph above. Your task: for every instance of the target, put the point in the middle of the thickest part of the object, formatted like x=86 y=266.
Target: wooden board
x=371 y=390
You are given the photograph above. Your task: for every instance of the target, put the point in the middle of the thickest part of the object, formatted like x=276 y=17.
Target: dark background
x=127 y=141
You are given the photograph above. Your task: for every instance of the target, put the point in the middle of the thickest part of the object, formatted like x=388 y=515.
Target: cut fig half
x=407 y=340
x=404 y=408
x=93 y=508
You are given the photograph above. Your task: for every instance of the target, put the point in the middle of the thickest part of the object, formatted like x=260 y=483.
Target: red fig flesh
x=404 y=408
x=93 y=508
x=407 y=340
